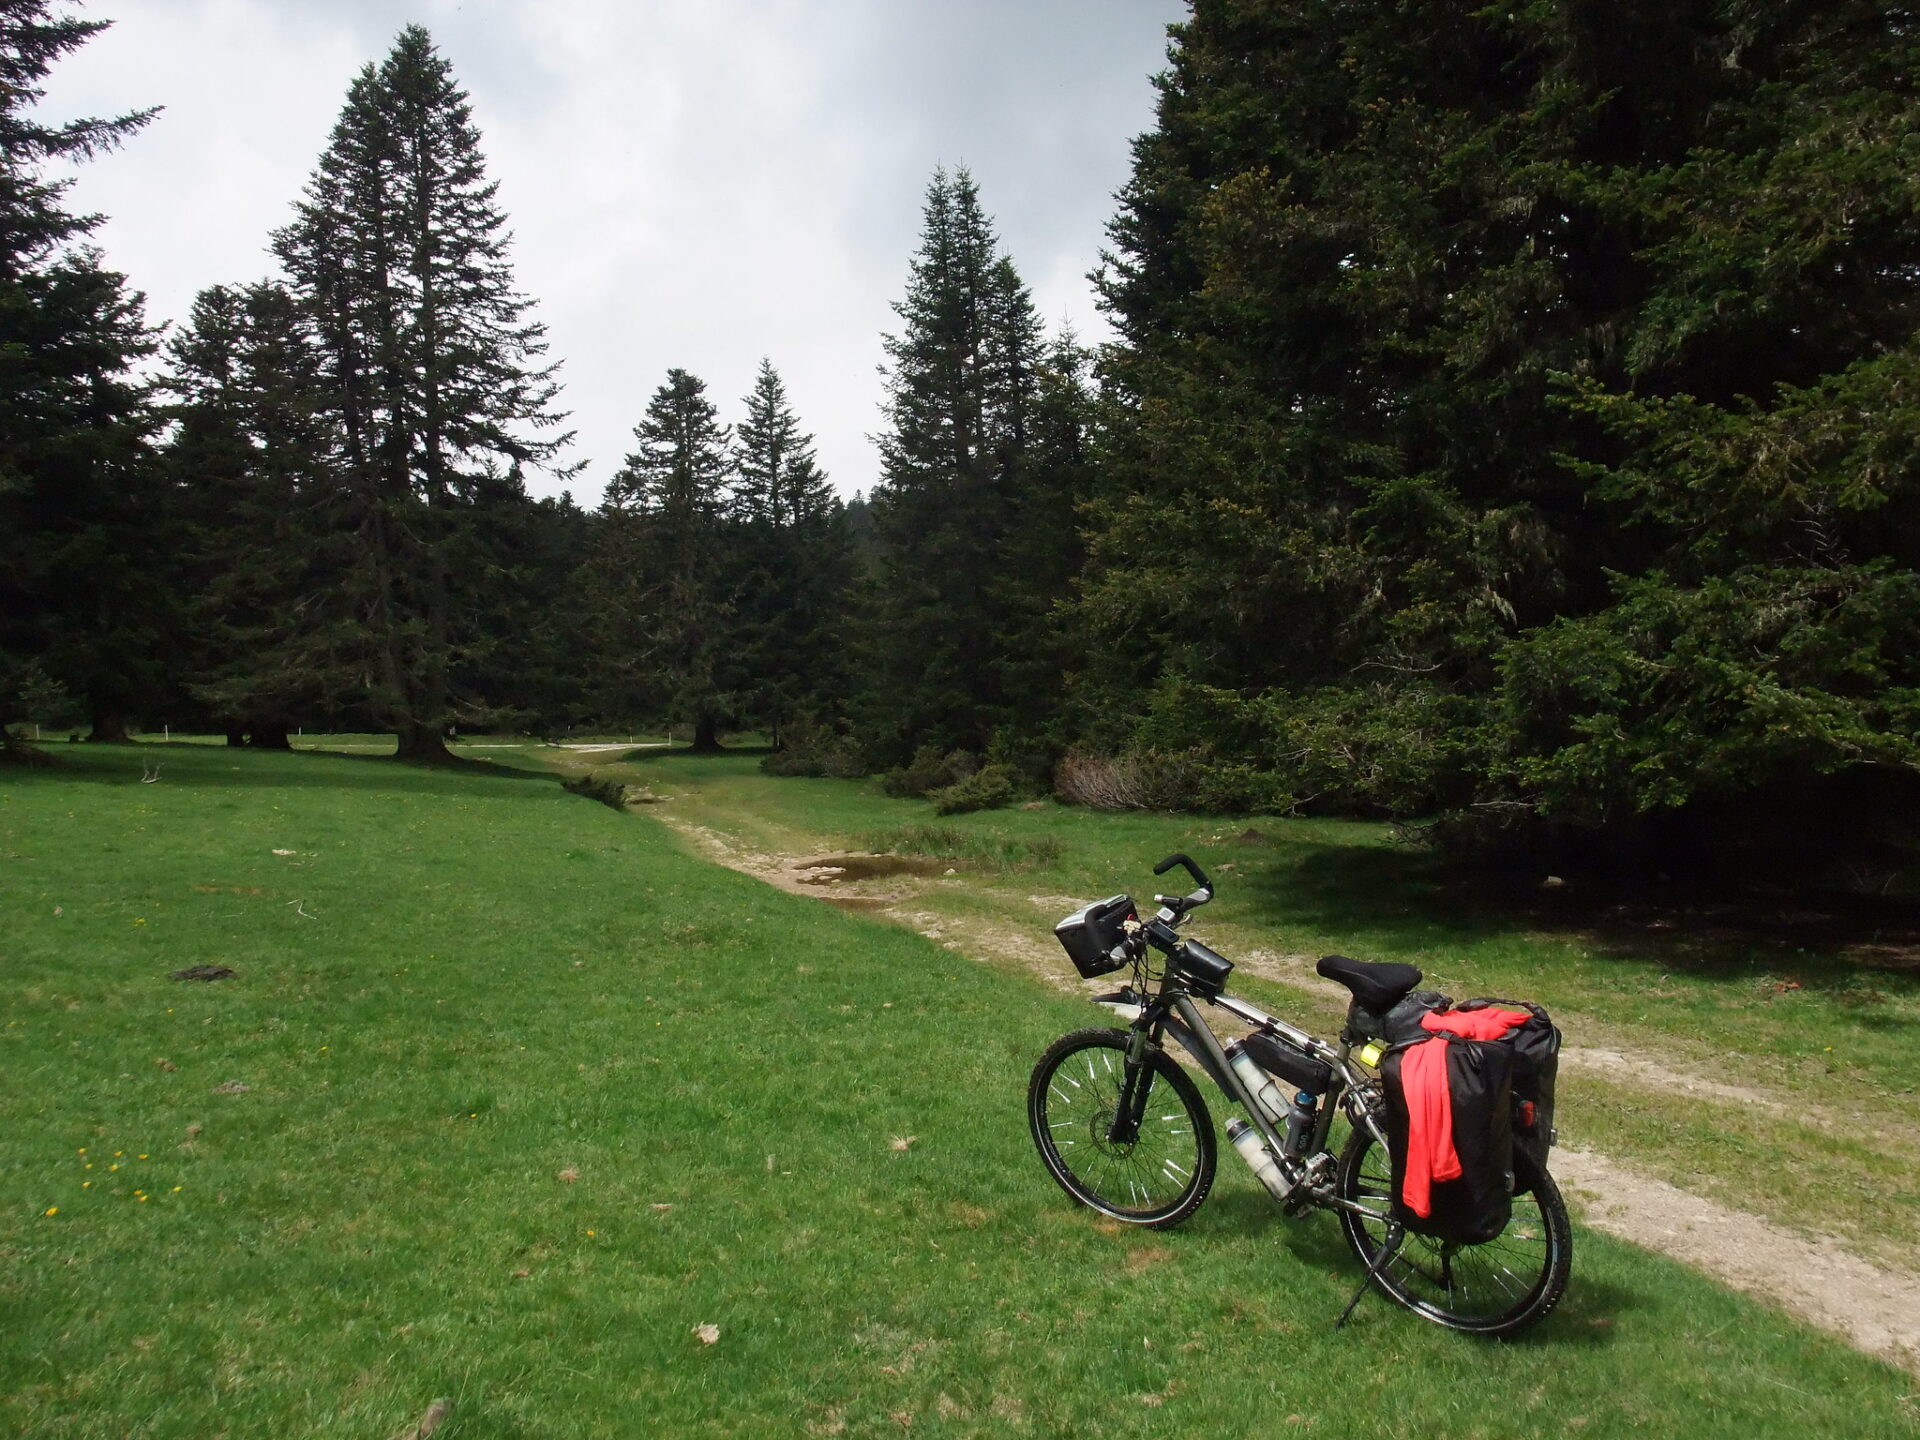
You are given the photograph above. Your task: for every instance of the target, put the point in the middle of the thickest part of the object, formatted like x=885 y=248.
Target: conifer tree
x=1514 y=405
x=664 y=573
x=81 y=513
x=433 y=371
x=250 y=458
x=796 y=557
x=961 y=385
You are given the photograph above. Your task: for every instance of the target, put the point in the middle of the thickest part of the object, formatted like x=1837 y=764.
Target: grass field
x=530 y=1094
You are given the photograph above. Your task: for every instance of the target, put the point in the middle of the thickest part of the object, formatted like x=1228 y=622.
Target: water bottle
x=1259 y=1085
x=1299 y=1124
x=1259 y=1159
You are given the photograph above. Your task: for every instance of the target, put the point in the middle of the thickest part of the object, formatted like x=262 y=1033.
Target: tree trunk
x=236 y=735
x=423 y=743
x=109 y=729
x=269 y=737
x=706 y=734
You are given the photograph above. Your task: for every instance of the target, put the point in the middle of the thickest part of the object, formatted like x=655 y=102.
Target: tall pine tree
x=797 y=557
x=82 y=514
x=961 y=387
x=250 y=458
x=1513 y=404
x=434 y=378
x=666 y=581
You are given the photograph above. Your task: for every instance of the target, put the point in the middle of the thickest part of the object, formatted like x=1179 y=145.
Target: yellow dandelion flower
x=143 y=1199
x=53 y=1209
x=83 y=1149
x=176 y=1190
x=143 y=1157
x=86 y=1184
x=590 y=1232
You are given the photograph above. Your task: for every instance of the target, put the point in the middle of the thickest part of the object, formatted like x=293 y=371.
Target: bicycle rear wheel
x=1497 y=1288
x=1157 y=1179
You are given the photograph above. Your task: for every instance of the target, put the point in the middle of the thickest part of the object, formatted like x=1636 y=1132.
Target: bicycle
x=1123 y=1128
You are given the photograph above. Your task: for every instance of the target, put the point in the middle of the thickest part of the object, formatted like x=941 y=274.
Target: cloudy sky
x=696 y=183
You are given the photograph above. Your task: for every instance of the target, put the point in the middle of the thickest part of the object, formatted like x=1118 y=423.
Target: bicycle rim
x=1499 y=1287
x=1157 y=1179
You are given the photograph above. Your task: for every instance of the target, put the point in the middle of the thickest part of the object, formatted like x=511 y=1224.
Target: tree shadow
x=1402 y=897
x=216 y=767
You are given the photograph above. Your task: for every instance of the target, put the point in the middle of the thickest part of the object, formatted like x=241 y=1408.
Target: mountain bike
x=1123 y=1127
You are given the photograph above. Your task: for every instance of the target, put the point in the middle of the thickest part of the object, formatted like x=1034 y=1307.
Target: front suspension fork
x=1138 y=1080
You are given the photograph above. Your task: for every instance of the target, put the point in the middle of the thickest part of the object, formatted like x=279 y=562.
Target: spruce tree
x=82 y=514
x=796 y=559
x=1511 y=402
x=250 y=457
x=666 y=580
x=961 y=386
x=433 y=373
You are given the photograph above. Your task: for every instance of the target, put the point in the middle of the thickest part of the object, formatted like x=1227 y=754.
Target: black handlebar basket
x=1095 y=936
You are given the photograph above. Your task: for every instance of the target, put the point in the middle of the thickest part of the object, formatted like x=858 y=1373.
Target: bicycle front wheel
x=1497 y=1288
x=1156 y=1179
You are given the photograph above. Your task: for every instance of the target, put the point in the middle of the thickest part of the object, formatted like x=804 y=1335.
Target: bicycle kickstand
x=1389 y=1248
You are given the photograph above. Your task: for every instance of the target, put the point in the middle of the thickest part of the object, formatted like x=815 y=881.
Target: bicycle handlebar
x=1205 y=891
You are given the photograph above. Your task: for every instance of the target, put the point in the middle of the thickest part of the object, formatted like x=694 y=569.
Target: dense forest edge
x=1510 y=431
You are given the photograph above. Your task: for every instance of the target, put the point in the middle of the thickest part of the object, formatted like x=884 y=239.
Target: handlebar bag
x=1536 y=1065
x=1450 y=1136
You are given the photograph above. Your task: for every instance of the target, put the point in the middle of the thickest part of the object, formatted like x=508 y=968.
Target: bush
x=929 y=770
x=818 y=752
x=988 y=788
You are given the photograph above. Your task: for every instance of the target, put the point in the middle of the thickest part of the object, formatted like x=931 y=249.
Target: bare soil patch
x=1814 y=1277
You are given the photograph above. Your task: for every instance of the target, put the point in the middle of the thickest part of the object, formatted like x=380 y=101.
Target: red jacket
x=1423 y=1081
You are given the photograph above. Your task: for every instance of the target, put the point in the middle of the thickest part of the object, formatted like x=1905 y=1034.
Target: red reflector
x=1526 y=1113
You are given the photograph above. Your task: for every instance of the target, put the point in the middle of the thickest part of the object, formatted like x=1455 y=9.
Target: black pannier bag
x=1475 y=1206
x=1094 y=936
x=1536 y=1064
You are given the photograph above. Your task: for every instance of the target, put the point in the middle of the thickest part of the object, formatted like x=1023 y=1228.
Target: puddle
x=832 y=869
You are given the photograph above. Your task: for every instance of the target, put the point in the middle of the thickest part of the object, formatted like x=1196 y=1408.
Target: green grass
x=461 y=985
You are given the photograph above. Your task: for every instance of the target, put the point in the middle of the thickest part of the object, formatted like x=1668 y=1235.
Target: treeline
x=1511 y=421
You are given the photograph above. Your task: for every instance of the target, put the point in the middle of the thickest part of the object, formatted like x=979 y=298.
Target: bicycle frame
x=1173 y=1013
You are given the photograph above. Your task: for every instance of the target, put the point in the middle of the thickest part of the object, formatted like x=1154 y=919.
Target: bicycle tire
x=1160 y=1178
x=1499 y=1288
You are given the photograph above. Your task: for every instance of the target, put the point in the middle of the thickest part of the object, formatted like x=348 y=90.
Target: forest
x=1511 y=428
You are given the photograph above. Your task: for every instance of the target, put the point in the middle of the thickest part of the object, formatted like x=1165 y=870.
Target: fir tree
x=1509 y=404
x=82 y=516
x=250 y=457
x=796 y=556
x=665 y=577
x=960 y=394
x=399 y=253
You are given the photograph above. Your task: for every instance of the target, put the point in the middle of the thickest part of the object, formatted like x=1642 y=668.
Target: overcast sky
x=697 y=183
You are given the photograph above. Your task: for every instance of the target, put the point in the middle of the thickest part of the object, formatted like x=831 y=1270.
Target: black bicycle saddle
x=1377 y=984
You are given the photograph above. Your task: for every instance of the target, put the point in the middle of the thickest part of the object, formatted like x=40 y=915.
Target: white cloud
x=689 y=184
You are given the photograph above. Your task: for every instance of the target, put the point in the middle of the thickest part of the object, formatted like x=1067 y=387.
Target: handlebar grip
x=1199 y=875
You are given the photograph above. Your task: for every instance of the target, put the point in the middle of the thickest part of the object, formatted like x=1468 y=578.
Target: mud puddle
x=834 y=869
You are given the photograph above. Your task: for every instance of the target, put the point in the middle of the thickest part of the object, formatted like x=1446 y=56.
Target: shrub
x=929 y=770
x=988 y=788
x=817 y=752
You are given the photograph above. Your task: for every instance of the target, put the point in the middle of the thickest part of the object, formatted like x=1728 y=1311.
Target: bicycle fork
x=1125 y=1128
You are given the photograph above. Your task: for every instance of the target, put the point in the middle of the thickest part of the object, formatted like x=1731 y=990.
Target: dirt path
x=1814 y=1277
